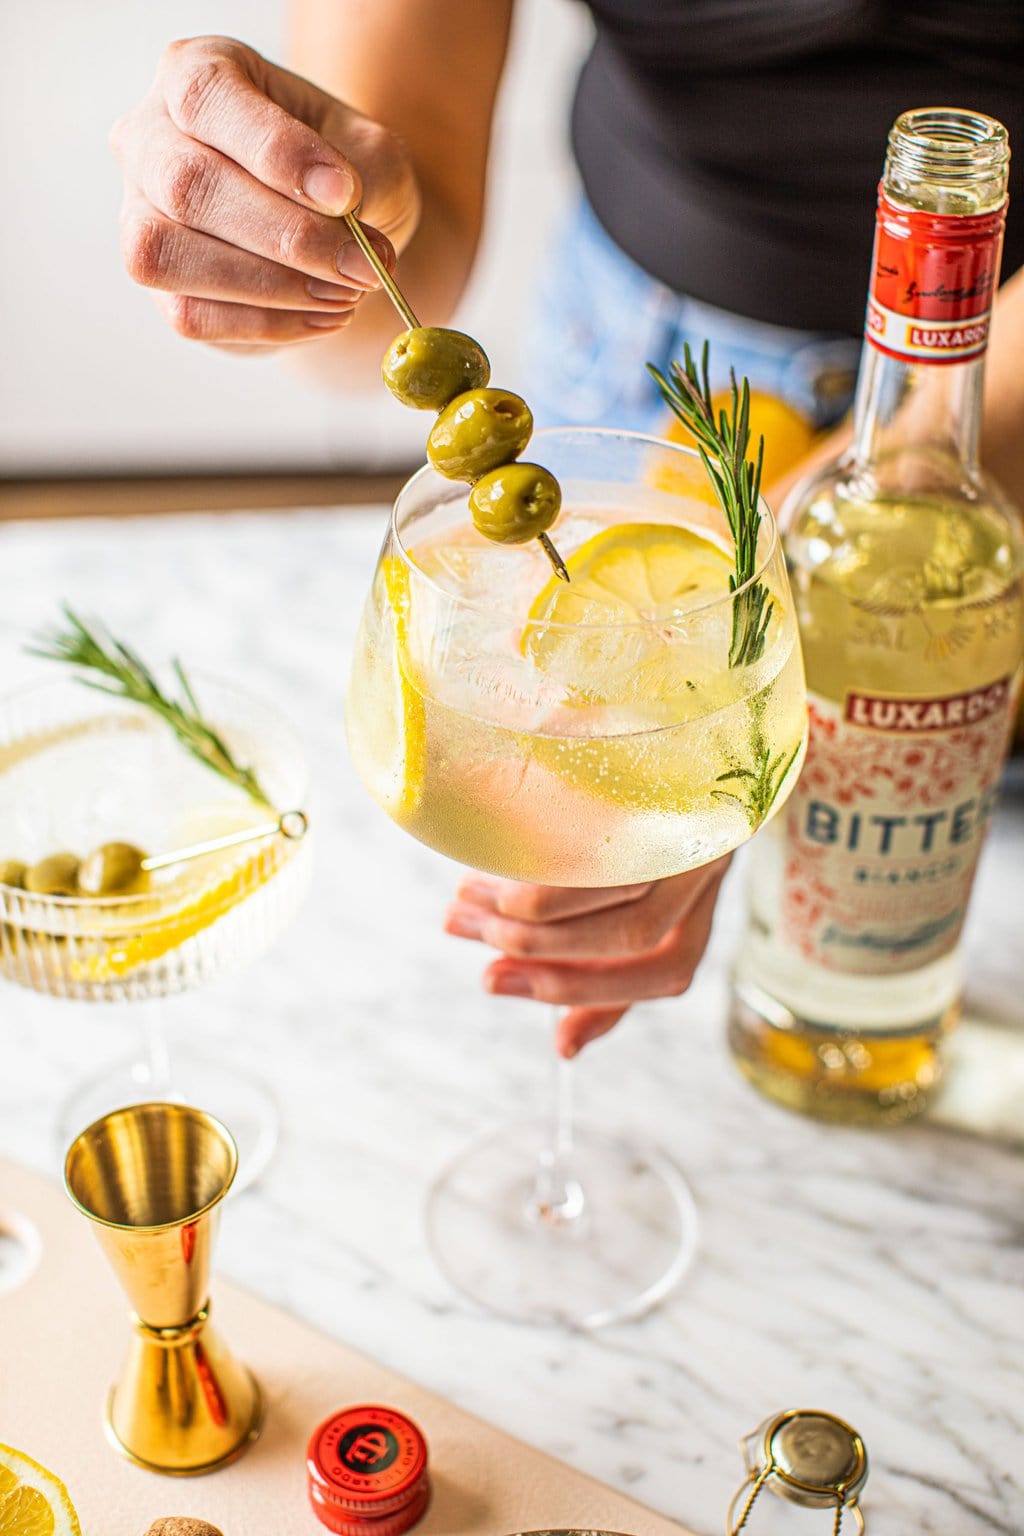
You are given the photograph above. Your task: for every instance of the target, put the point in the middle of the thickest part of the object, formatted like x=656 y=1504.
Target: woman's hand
x=236 y=172
x=595 y=952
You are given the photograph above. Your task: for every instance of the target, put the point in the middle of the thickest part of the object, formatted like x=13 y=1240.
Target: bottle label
x=933 y=279
x=885 y=825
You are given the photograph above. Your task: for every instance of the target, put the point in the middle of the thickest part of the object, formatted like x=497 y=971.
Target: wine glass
x=79 y=768
x=589 y=735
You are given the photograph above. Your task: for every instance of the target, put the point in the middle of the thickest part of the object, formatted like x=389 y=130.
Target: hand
x=595 y=951
x=236 y=172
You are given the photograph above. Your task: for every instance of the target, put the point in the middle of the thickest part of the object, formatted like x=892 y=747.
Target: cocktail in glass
x=79 y=769
x=587 y=735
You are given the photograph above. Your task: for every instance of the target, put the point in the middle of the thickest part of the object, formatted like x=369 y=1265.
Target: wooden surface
x=135 y=497
x=65 y=1329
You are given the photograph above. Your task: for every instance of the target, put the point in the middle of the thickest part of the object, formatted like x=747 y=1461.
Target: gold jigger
x=151 y=1178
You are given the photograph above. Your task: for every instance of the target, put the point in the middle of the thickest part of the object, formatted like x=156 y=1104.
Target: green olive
x=515 y=503
x=114 y=869
x=55 y=876
x=12 y=872
x=429 y=366
x=477 y=432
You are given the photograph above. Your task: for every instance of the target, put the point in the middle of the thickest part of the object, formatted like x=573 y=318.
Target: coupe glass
x=79 y=768
x=573 y=752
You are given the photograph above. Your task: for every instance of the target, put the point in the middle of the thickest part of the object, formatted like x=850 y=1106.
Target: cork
x=181 y=1525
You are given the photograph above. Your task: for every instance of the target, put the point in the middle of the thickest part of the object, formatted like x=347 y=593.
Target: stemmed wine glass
x=592 y=734
x=79 y=769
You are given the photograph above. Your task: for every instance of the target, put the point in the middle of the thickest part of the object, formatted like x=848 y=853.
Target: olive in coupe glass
x=427 y=366
x=56 y=875
x=479 y=431
x=113 y=869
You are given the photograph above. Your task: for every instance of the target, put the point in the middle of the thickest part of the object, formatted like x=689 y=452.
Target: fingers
x=211 y=95
x=665 y=972
x=196 y=186
x=630 y=927
x=244 y=324
x=580 y=1026
x=541 y=903
x=161 y=254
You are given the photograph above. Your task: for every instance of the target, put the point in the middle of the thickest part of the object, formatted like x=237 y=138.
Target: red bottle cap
x=367 y=1470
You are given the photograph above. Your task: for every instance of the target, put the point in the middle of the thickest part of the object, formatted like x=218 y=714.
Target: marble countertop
x=880 y=1276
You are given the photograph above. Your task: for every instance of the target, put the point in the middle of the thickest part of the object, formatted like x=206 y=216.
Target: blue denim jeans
x=598 y=319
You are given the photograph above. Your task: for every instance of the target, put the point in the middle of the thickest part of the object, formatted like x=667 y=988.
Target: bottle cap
x=806 y=1456
x=367 y=1472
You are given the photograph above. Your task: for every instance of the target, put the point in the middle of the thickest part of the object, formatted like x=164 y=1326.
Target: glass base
x=847 y=1077
x=243 y=1103
x=621 y=1241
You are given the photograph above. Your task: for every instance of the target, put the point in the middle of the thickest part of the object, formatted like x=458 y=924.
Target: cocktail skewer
x=290 y=824
x=407 y=313
x=392 y=289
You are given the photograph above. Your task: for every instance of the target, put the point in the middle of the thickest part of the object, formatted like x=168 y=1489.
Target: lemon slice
x=391 y=710
x=32 y=1501
x=622 y=640
x=620 y=619
x=123 y=954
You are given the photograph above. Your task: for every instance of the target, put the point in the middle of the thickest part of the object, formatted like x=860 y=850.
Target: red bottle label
x=933 y=279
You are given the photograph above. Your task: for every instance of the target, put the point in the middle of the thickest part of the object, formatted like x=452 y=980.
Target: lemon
x=621 y=632
x=623 y=640
x=788 y=435
x=121 y=955
x=387 y=718
x=32 y=1501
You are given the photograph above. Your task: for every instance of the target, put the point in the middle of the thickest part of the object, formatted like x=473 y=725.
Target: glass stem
x=557 y=1198
x=154 y=1070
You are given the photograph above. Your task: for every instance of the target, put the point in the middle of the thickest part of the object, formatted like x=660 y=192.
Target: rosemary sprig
x=756 y=788
x=126 y=676
x=722 y=446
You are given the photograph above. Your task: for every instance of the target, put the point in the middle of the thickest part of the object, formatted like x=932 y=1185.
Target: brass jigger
x=150 y=1178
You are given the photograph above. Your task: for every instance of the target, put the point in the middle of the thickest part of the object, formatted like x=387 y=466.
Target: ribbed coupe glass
x=79 y=768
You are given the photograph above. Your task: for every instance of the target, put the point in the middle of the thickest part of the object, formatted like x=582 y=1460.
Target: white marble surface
x=880 y=1276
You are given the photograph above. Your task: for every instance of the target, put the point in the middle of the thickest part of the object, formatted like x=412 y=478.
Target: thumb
x=216 y=92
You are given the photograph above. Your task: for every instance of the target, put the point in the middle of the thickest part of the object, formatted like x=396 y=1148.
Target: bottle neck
x=919 y=395
x=920 y=408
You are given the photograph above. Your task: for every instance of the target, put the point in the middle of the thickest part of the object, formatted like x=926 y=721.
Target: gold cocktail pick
x=290 y=824
x=391 y=288
x=114 y=868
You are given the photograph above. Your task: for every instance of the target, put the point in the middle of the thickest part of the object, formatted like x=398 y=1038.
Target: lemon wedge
x=32 y=1501
x=619 y=632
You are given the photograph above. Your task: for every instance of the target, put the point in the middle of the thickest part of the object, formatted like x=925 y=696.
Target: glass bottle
x=906 y=566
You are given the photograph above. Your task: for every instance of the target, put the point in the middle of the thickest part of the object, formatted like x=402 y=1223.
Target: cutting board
x=62 y=1335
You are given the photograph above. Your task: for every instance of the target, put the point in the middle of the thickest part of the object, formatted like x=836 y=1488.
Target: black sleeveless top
x=733 y=148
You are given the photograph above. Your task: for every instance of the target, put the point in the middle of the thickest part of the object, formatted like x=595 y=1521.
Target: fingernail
x=335 y=293
x=463 y=925
x=478 y=894
x=352 y=263
x=330 y=188
x=334 y=322
x=512 y=984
